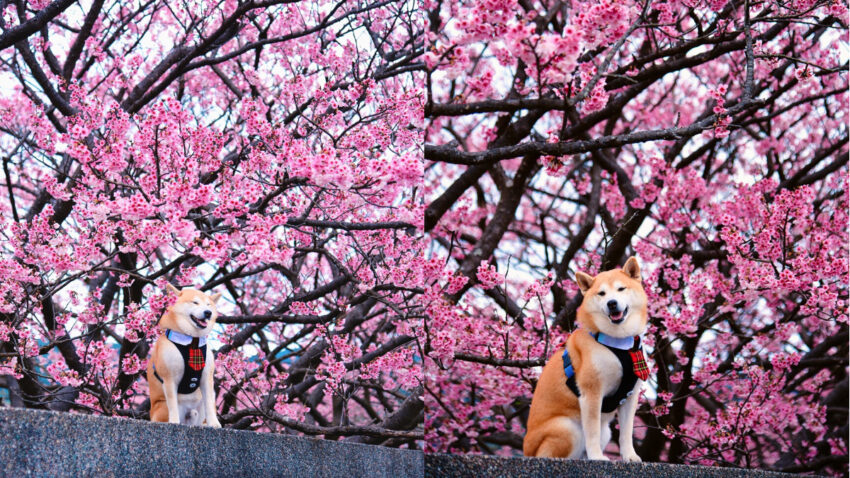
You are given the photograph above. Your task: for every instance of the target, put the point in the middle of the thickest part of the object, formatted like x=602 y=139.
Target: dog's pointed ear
x=215 y=297
x=584 y=281
x=632 y=268
x=171 y=289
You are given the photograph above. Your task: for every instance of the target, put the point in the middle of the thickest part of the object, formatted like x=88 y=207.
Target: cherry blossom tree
x=709 y=138
x=266 y=149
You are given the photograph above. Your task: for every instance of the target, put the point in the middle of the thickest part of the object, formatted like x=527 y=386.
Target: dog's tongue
x=615 y=315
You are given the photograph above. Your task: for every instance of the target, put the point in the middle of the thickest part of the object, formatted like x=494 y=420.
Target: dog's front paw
x=631 y=458
x=599 y=457
x=215 y=424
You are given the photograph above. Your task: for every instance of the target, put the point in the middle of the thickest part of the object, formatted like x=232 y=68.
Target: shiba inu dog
x=600 y=372
x=181 y=368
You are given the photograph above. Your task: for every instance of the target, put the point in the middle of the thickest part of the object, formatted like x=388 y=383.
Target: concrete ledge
x=41 y=443
x=440 y=465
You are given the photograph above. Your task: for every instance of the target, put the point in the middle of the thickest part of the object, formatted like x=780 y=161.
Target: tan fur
x=561 y=425
x=166 y=404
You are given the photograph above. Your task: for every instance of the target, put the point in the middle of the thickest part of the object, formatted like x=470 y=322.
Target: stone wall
x=439 y=465
x=42 y=443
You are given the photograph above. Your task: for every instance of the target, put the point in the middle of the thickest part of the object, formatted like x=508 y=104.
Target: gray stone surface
x=40 y=443
x=439 y=465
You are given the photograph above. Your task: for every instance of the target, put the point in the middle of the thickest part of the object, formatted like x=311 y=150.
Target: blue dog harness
x=628 y=351
x=194 y=352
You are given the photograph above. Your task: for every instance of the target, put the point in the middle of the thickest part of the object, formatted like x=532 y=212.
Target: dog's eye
x=621 y=289
x=602 y=293
x=196 y=302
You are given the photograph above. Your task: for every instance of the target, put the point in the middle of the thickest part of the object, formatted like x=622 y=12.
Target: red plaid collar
x=635 y=349
x=639 y=361
x=197 y=361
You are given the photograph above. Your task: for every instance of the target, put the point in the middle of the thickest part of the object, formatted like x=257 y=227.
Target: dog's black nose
x=207 y=314
x=612 y=304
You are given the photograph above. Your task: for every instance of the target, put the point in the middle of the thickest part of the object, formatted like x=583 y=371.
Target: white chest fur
x=608 y=369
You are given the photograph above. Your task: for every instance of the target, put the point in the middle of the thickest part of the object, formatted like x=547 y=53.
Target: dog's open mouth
x=200 y=323
x=619 y=316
